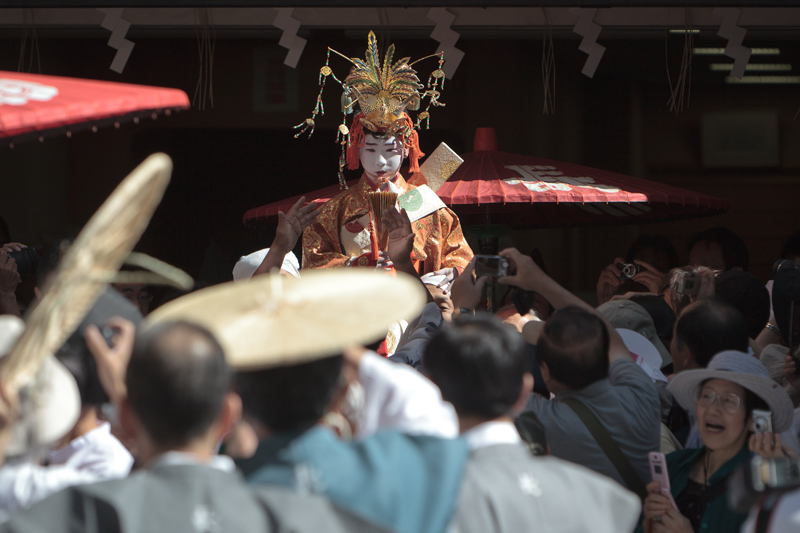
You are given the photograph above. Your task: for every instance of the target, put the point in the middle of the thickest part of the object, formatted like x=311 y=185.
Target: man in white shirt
x=480 y=365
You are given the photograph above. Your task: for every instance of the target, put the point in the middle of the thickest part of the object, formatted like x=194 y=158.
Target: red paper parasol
x=34 y=106
x=271 y=210
x=519 y=190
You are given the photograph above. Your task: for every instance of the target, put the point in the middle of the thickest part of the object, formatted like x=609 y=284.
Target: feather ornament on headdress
x=383 y=93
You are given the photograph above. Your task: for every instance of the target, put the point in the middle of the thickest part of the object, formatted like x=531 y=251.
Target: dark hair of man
x=791 y=248
x=574 y=344
x=290 y=398
x=83 y=368
x=734 y=250
x=663 y=250
x=748 y=294
x=478 y=364
x=177 y=380
x=709 y=327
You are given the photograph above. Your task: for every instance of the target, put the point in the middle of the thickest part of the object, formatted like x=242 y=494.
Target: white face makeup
x=381 y=157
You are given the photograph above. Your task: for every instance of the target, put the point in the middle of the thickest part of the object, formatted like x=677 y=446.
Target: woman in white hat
x=723 y=397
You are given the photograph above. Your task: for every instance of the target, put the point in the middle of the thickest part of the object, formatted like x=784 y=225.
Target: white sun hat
x=247 y=265
x=744 y=370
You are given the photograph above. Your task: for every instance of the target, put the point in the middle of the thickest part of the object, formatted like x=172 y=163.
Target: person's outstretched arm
x=400 y=398
x=527 y=275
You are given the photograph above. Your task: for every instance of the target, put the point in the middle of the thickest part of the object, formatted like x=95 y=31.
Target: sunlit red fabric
x=32 y=105
x=520 y=190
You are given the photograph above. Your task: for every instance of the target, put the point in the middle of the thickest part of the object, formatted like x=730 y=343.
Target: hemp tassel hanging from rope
x=29 y=25
x=683 y=85
x=206 y=40
x=548 y=67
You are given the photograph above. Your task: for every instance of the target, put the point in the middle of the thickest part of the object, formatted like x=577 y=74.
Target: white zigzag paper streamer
x=289 y=38
x=735 y=35
x=447 y=38
x=589 y=30
x=118 y=27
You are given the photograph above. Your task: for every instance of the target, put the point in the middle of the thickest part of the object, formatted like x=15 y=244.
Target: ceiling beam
x=408 y=17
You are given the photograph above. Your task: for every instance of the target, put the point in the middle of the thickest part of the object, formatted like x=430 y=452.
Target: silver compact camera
x=628 y=270
x=493 y=266
x=762 y=421
x=689 y=284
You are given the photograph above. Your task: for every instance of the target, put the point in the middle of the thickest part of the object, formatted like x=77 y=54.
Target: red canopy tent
x=34 y=106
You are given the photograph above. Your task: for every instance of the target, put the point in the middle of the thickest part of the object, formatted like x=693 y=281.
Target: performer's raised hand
x=401 y=237
x=292 y=224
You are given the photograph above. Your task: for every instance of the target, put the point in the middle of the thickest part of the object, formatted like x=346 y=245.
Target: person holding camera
x=642 y=269
x=600 y=393
x=9 y=279
x=733 y=398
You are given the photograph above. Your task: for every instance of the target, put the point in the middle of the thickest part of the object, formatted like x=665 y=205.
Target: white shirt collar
x=219 y=462
x=491 y=434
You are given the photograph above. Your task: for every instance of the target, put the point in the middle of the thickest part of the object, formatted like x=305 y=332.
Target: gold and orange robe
x=439 y=241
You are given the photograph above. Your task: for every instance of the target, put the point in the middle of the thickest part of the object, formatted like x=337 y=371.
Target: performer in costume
x=381 y=137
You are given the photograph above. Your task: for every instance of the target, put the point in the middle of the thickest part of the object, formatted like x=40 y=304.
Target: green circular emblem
x=411 y=201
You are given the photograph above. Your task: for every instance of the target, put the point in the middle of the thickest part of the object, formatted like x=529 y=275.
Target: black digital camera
x=27 y=260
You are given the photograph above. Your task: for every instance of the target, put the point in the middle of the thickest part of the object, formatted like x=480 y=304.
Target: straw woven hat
x=276 y=320
x=86 y=268
x=744 y=370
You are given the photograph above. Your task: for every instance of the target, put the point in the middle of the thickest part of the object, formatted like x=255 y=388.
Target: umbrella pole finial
x=485 y=140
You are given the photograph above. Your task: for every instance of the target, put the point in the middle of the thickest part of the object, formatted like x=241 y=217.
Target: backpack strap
x=609 y=446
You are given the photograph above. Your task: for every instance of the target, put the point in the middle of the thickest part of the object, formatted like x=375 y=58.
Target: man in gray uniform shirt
x=480 y=365
x=582 y=357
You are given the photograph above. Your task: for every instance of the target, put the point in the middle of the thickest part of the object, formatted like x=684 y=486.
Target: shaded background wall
x=241 y=153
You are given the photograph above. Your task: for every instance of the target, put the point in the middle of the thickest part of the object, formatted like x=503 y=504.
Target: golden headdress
x=382 y=93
